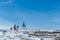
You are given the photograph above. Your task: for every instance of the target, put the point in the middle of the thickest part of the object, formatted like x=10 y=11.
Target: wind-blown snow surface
x=14 y=35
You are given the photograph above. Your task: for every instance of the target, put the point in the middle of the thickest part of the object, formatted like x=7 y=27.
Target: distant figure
x=11 y=28
x=17 y=27
x=14 y=27
x=23 y=26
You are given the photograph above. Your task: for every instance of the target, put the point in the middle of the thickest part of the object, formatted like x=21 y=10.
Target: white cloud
x=7 y=2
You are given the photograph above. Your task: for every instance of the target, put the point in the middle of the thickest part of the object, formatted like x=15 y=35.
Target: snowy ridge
x=14 y=35
x=20 y=35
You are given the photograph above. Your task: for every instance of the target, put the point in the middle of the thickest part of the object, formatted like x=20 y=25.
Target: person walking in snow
x=14 y=27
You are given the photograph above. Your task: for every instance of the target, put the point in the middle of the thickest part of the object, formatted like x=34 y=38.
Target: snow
x=14 y=35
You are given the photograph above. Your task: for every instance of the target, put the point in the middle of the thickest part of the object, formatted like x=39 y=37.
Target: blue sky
x=37 y=14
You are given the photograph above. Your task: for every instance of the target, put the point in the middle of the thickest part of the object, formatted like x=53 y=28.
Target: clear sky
x=37 y=14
